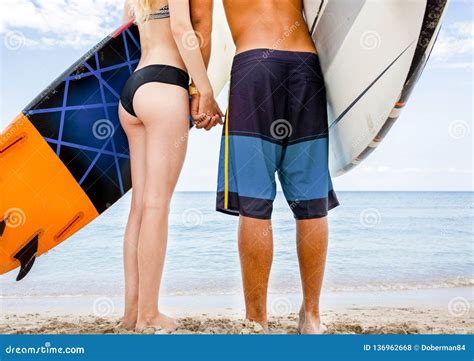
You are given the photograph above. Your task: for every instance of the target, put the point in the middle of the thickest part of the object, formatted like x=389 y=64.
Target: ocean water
x=378 y=241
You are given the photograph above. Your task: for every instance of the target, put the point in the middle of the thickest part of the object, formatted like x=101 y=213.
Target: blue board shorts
x=276 y=123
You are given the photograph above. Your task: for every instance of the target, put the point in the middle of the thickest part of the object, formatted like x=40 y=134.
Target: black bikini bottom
x=151 y=74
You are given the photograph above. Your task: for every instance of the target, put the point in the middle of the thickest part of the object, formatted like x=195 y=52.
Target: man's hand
x=201 y=118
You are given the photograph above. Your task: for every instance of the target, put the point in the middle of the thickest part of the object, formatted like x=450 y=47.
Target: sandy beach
x=376 y=320
x=437 y=311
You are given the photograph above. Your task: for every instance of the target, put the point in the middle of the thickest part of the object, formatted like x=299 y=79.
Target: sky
x=429 y=148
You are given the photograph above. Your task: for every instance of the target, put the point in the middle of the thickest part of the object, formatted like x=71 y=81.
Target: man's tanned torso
x=270 y=24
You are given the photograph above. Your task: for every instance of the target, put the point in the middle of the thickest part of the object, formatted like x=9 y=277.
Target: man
x=276 y=123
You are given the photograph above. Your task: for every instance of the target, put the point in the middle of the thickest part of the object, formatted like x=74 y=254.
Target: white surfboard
x=372 y=52
x=223 y=50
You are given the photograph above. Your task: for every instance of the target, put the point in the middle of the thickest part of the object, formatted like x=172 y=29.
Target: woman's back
x=157 y=42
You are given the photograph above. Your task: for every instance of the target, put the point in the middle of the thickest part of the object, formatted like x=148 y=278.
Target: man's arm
x=201 y=18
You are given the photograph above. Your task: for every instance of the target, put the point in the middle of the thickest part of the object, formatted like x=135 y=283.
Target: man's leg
x=256 y=254
x=312 y=244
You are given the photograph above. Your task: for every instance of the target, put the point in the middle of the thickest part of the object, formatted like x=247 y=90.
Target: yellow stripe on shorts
x=226 y=161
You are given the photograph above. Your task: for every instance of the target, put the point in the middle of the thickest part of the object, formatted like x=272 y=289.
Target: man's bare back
x=270 y=24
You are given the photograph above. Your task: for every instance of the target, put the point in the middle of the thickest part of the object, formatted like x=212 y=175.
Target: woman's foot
x=128 y=325
x=129 y=320
x=310 y=324
x=157 y=323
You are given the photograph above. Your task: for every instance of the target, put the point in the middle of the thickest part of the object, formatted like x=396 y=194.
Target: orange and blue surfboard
x=65 y=159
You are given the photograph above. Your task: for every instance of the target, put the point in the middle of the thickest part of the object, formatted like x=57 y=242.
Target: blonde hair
x=141 y=9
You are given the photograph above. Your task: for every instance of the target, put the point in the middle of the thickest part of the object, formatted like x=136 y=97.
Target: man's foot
x=313 y=328
x=310 y=324
x=158 y=322
x=256 y=327
x=301 y=318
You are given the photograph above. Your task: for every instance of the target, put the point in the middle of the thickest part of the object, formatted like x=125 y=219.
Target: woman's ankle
x=156 y=319
x=147 y=316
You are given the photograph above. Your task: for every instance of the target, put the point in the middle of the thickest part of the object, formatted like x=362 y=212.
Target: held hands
x=205 y=111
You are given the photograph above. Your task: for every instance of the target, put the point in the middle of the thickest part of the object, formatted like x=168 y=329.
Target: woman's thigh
x=164 y=111
x=136 y=135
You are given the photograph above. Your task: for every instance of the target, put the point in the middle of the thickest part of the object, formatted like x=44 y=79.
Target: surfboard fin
x=3 y=225
x=27 y=256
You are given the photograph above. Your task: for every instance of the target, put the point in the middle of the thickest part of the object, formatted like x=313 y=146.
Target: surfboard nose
x=41 y=202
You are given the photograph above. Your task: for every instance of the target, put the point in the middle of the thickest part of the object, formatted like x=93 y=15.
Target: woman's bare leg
x=164 y=110
x=136 y=135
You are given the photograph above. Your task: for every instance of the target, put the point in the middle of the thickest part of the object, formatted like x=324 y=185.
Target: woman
x=154 y=113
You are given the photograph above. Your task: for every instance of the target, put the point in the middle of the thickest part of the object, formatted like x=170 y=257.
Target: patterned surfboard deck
x=65 y=159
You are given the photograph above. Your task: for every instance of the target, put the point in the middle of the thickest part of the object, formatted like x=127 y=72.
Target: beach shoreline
x=430 y=311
